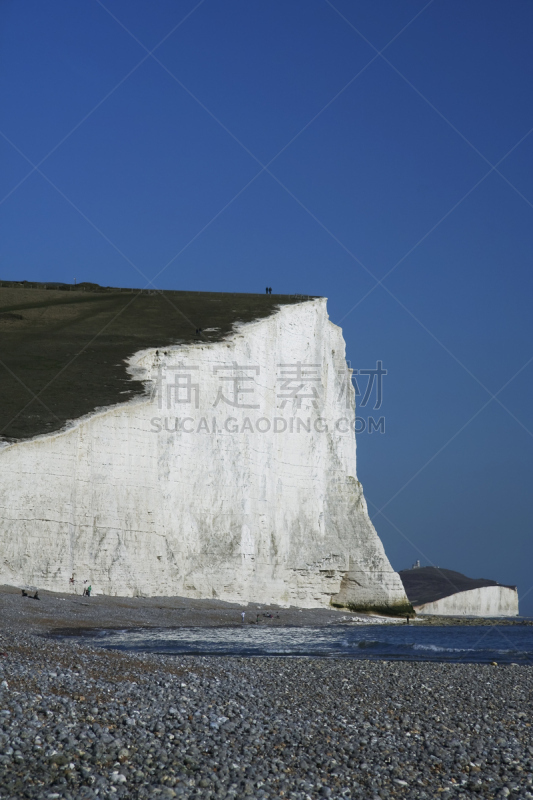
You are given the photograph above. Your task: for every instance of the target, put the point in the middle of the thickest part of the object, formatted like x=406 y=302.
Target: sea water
x=461 y=643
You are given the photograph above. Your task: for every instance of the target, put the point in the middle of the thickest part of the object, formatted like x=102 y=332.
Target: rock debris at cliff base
x=80 y=723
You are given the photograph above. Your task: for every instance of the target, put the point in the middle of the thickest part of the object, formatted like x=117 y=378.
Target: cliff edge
x=233 y=475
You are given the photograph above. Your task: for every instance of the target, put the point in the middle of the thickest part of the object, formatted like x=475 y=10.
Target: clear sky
x=375 y=152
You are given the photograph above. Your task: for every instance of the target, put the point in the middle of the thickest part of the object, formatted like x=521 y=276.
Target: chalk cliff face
x=234 y=478
x=446 y=592
x=487 y=601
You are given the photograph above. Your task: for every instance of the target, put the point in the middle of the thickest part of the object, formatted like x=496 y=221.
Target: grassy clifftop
x=63 y=348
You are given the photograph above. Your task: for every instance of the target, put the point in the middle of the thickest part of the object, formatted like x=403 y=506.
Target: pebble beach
x=78 y=723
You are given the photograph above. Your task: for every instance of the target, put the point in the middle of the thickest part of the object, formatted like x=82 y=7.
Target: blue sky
x=377 y=153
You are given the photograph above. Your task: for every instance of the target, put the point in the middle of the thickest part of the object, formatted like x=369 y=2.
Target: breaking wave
x=468 y=644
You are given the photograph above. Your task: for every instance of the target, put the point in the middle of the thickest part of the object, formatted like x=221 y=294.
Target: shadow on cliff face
x=63 y=350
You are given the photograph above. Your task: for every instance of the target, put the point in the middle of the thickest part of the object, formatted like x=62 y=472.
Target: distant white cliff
x=234 y=479
x=445 y=592
x=487 y=601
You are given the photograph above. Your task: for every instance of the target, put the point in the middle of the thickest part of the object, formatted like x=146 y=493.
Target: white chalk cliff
x=255 y=501
x=486 y=601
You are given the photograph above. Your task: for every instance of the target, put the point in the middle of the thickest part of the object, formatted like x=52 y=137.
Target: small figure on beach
x=31 y=596
x=242 y=615
x=87 y=590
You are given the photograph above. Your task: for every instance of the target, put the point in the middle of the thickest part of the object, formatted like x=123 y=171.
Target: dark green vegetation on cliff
x=390 y=610
x=63 y=350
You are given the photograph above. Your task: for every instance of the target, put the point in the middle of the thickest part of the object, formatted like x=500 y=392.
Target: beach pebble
x=84 y=724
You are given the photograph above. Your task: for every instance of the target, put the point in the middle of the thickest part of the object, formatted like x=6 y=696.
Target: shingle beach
x=81 y=722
